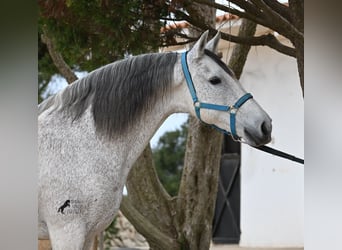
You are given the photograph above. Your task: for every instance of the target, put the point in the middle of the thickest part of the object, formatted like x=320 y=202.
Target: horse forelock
x=118 y=93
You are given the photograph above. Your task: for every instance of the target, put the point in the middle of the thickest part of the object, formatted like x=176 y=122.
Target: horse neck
x=174 y=102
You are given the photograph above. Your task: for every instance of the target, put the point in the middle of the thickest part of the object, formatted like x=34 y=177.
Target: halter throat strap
x=232 y=110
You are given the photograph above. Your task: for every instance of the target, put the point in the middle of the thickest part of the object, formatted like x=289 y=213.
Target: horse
x=91 y=132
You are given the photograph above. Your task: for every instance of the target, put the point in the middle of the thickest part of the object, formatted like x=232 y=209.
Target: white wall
x=272 y=189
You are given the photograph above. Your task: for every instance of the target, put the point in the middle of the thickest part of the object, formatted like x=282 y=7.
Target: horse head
x=217 y=97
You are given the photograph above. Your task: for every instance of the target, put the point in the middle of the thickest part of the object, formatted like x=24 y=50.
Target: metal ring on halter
x=233 y=110
x=238 y=139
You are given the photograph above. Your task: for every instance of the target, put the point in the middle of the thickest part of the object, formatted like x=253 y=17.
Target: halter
x=198 y=105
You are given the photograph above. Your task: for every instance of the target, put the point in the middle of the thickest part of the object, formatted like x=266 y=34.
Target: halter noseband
x=198 y=105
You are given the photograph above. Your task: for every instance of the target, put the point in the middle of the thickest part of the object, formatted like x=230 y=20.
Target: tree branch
x=239 y=55
x=282 y=9
x=178 y=43
x=246 y=6
x=145 y=227
x=171 y=19
x=297 y=13
x=266 y=17
x=149 y=202
x=268 y=40
x=277 y=22
x=250 y=11
x=58 y=60
x=185 y=36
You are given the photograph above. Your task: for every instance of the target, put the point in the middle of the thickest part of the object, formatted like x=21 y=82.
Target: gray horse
x=92 y=132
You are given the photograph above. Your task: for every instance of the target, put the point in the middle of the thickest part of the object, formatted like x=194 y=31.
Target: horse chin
x=256 y=141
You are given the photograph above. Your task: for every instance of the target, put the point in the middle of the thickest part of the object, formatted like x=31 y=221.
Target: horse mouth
x=256 y=140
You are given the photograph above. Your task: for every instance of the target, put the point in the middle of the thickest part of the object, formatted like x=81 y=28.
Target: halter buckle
x=233 y=110
x=197 y=104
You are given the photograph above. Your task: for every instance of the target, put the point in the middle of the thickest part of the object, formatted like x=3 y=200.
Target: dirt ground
x=45 y=245
x=236 y=247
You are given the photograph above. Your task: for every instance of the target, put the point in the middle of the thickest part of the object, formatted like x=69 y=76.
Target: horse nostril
x=264 y=129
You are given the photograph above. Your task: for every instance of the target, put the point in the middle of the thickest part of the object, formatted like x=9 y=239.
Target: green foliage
x=169 y=158
x=93 y=33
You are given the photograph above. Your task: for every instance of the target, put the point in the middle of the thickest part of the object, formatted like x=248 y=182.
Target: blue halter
x=198 y=105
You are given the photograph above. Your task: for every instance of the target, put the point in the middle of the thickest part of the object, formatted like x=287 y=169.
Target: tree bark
x=57 y=58
x=239 y=55
x=297 y=14
x=198 y=187
x=148 y=206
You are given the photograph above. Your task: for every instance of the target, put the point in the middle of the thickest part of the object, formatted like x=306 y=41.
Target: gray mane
x=118 y=93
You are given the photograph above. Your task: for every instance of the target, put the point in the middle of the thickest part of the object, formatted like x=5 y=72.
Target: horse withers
x=91 y=133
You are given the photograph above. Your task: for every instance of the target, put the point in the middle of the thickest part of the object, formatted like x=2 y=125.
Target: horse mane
x=118 y=93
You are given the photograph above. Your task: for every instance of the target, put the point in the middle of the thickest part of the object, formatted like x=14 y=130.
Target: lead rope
x=280 y=154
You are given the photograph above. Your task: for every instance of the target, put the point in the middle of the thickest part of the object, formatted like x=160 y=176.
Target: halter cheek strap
x=202 y=105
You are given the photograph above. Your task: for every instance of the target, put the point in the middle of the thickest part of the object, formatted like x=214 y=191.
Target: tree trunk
x=148 y=206
x=299 y=44
x=198 y=188
x=297 y=13
x=96 y=243
x=240 y=52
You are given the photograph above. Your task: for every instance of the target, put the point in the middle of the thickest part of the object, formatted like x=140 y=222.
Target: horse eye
x=215 y=80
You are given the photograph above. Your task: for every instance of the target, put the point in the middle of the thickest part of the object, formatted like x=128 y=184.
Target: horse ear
x=198 y=49
x=212 y=44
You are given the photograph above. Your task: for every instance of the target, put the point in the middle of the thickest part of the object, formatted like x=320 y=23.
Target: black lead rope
x=279 y=153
